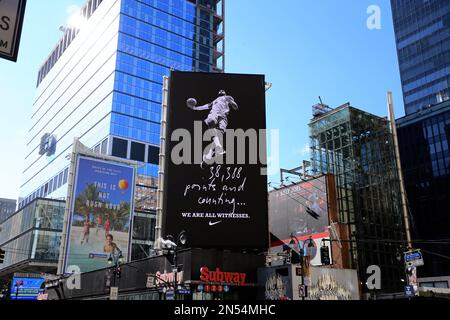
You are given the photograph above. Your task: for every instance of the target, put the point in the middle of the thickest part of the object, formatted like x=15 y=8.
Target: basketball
x=191 y=103
x=123 y=184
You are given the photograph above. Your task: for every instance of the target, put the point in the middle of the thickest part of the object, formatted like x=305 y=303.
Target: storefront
x=320 y=283
x=200 y=275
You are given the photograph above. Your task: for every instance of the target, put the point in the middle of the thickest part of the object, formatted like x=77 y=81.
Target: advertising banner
x=333 y=284
x=101 y=215
x=300 y=210
x=26 y=288
x=215 y=182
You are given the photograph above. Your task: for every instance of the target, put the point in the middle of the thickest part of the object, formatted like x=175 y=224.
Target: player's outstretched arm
x=191 y=104
x=204 y=107
x=201 y=108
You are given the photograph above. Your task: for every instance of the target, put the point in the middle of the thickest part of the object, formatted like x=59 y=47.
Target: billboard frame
x=17 y=36
x=80 y=150
x=161 y=225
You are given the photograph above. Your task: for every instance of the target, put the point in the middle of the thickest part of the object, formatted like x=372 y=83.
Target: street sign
x=414 y=258
x=409 y=291
x=184 y=291
x=170 y=295
x=11 y=21
x=114 y=293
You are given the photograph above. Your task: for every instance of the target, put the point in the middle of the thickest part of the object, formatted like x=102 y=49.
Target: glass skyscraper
x=424 y=148
x=422 y=31
x=357 y=148
x=102 y=83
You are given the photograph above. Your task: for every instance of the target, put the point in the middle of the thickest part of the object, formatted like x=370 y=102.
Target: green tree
x=90 y=193
x=122 y=215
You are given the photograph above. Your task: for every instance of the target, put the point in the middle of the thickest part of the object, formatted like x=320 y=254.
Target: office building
x=424 y=148
x=102 y=83
x=7 y=208
x=357 y=148
x=31 y=238
x=422 y=32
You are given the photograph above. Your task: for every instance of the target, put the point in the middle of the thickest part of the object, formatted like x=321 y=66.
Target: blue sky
x=306 y=48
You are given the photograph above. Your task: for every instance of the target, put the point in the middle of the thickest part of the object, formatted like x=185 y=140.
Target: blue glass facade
x=103 y=84
x=424 y=139
x=422 y=30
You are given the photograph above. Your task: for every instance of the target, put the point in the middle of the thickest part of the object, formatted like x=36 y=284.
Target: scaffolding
x=357 y=147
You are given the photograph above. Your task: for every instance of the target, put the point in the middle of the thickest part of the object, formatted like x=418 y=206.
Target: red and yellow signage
x=218 y=276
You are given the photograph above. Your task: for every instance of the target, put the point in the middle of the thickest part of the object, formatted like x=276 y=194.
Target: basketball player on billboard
x=217 y=120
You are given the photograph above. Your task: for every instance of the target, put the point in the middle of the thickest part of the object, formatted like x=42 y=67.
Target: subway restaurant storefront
x=201 y=275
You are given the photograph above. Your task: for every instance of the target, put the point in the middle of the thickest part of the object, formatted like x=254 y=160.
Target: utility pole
x=399 y=170
x=162 y=163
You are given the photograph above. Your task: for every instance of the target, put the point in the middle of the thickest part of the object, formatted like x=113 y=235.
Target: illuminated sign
x=168 y=278
x=27 y=288
x=219 y=276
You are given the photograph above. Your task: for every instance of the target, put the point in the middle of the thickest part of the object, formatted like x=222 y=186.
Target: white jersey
x=221 y=107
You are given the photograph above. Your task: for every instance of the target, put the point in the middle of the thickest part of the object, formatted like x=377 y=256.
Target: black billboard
x=215 y=186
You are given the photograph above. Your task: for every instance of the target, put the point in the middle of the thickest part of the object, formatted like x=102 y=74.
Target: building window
x=140 y=251
x=137 y=151
x=104 y=147
x=153 y=155
x=55 y=183
x=50 y=187
x=60 y=180
x=143 y=228
x=66 y=175
x=120 y=148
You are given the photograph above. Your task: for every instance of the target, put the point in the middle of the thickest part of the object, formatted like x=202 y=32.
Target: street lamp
x=173 y=246
x=303 y=257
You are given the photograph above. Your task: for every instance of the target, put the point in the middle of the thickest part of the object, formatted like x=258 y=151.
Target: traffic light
x=2 y=255
x=325 y=255
x=118 y=272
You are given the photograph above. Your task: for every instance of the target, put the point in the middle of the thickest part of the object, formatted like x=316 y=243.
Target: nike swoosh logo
x=214 y=223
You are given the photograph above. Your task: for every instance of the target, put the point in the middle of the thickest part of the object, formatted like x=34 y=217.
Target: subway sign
x=218 y=276
x=11 y=21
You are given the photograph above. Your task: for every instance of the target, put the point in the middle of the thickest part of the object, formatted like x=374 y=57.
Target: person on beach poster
x=103 y=199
